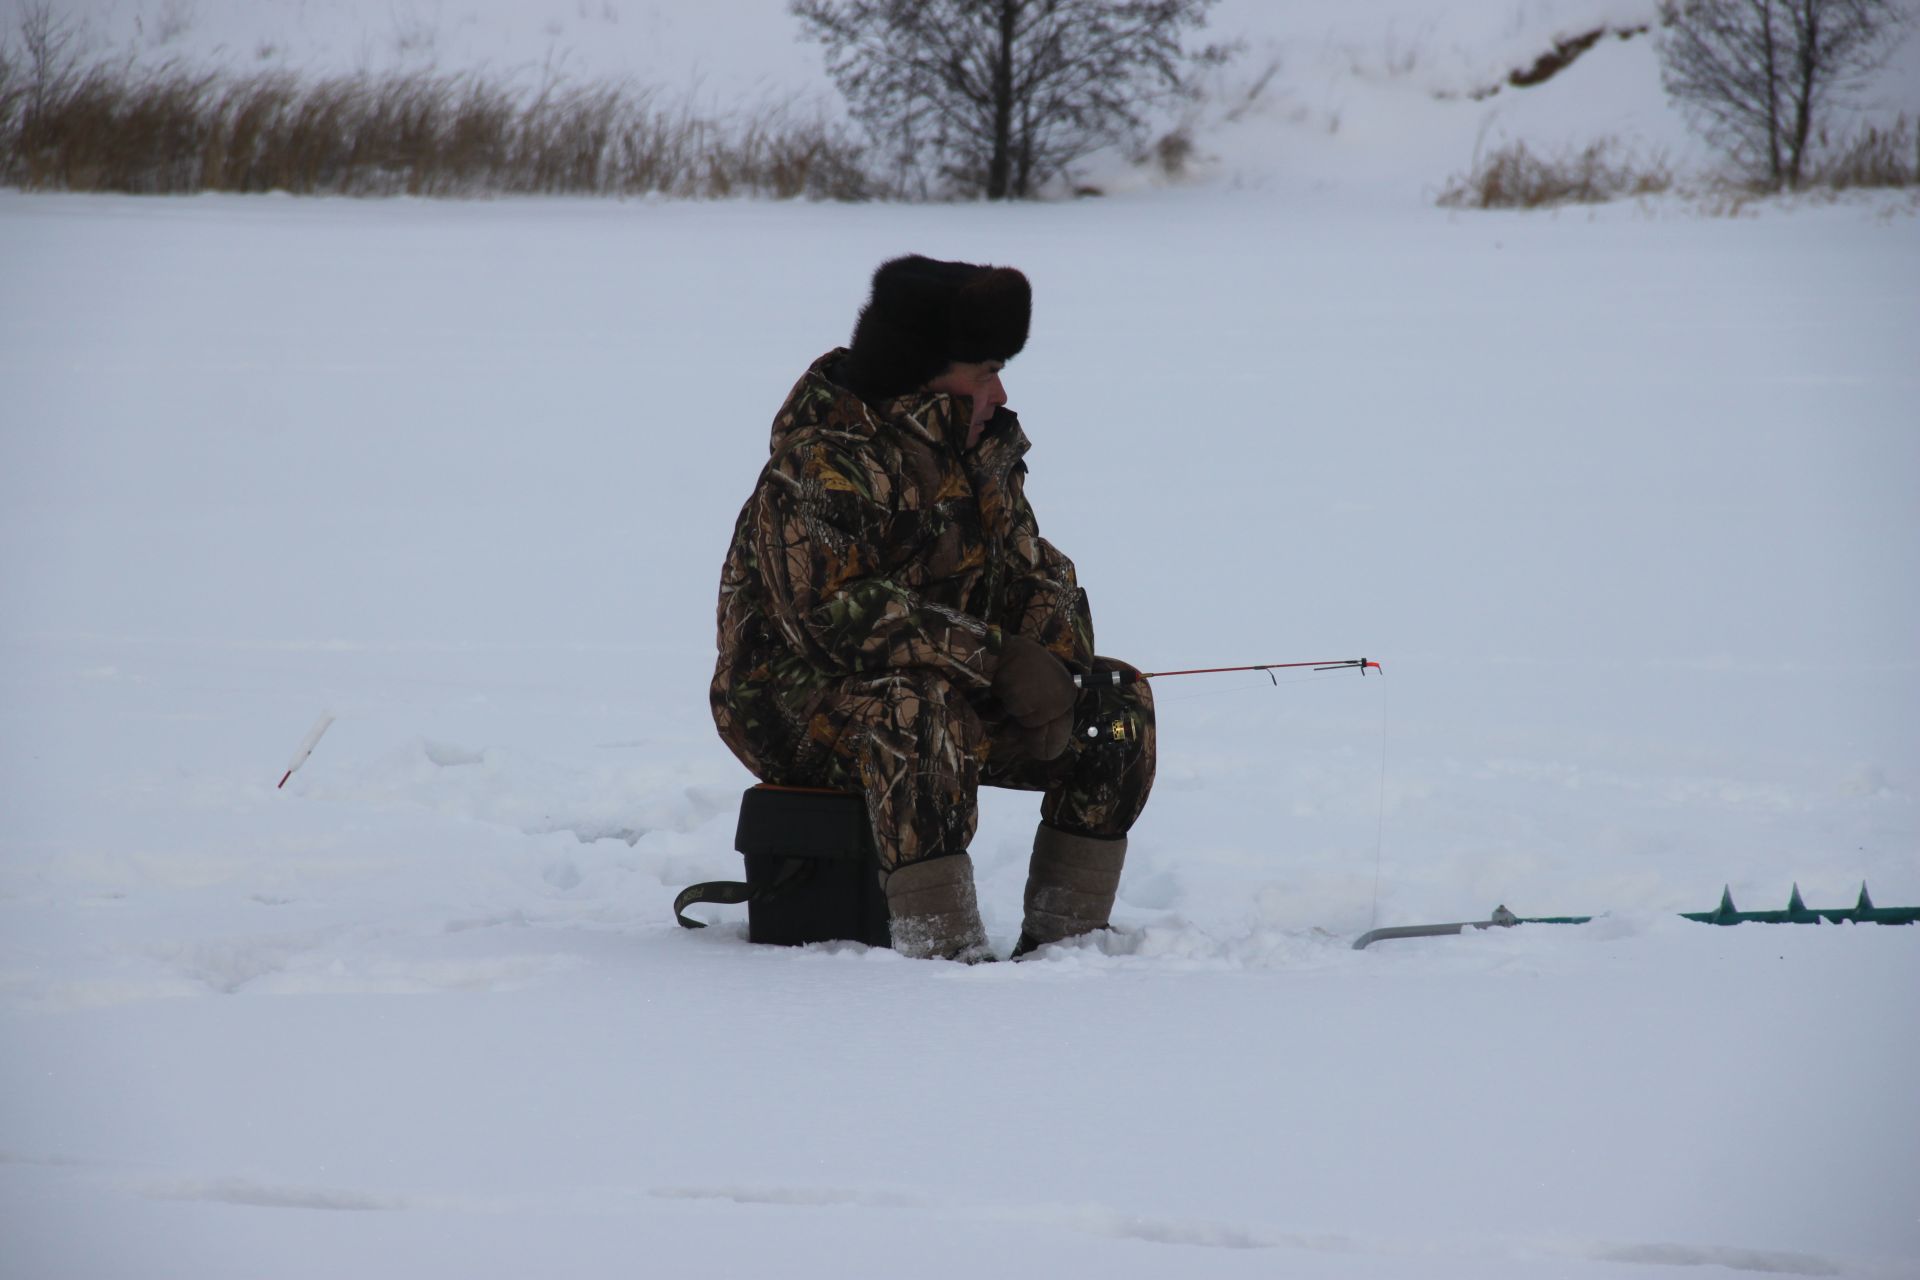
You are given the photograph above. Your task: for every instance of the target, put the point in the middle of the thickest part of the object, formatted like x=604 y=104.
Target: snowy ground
x=1624 y=500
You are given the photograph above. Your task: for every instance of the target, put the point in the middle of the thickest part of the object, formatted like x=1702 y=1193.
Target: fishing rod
x=1098 y=722
x=1100 y=679
x=1106 y=731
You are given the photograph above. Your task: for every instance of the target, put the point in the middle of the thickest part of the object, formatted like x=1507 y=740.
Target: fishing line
x=1320 y=670
x=1380 y=827
x=1159 y=697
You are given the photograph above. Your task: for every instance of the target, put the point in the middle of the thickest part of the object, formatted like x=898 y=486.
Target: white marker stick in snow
x=306 y=745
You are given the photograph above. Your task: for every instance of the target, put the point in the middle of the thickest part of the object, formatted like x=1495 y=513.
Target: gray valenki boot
x=933 y=911
x=1071 y=884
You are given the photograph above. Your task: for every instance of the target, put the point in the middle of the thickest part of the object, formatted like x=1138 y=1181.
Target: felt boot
x=1071 y=883
x=933 y=911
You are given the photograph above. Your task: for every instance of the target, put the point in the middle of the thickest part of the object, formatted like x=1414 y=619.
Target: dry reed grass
x=1873 y=157
x=1513 y=177
x=70 y=125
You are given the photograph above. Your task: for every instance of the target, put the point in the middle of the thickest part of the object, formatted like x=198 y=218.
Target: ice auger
x=1796 y=912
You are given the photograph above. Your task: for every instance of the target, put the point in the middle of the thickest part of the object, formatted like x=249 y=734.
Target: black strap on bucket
x=733 y=892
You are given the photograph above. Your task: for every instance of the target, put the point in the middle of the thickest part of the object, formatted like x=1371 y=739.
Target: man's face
x=979 y=380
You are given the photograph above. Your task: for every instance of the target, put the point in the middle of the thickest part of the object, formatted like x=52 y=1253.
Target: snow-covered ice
x=1623 y=499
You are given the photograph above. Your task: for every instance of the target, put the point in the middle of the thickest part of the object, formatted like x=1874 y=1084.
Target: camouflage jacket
x=875 y=540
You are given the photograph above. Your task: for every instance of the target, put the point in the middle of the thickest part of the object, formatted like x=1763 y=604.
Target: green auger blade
x=1797 y=912
x=1725 y=913
x=1866 y=913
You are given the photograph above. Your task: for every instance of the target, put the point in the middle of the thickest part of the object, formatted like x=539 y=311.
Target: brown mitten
x=1038 y=692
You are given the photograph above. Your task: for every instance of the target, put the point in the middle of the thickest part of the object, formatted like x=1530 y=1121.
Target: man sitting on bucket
x=892 y=624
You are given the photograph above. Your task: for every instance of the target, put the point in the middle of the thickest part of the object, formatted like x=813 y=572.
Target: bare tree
x=997 y=96
x=1756 y=74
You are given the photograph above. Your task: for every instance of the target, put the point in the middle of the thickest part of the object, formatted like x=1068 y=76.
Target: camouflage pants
x=918 y=749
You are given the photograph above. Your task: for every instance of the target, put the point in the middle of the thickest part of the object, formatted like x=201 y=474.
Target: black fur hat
x=924 y=314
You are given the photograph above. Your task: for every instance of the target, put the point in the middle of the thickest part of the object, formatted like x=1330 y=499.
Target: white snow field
x=1623 y=499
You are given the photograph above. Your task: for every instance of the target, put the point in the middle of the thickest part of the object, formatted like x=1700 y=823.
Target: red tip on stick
x=306 y=746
